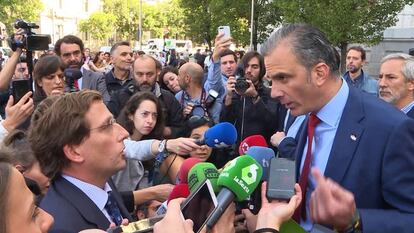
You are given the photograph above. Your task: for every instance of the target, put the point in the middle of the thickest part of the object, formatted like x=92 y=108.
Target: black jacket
x=264 y=117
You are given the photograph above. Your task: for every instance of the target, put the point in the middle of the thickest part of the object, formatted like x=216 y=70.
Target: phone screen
x=19 y=89
x=282 y=178
x=200 y=205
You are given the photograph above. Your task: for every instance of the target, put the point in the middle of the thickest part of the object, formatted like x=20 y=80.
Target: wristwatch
x=162 y=147
x=355 y=226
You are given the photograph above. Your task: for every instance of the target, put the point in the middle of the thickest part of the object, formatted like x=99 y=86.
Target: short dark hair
x=309 y=44
x=359 y=49
x=131 y=107
x=117 y=44
x=228 y=52
x=164 y=71
x=18 y=144
x=68 y=39
x=63 y=123
x=46 y=65
x=252 y=54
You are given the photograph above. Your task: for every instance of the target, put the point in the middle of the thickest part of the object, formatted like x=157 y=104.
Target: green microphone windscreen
x=200 y=172
x=241 y=176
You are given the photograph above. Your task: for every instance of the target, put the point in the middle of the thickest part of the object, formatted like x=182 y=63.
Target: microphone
x=185 y=168
x=72 y=73
x=254 y=140
x=179 y=190
x=200 y=172
x=219 y=136
x=262 y=155
x=237 y=181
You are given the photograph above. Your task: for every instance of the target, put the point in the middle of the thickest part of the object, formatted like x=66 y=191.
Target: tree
x=99 y=25
x=345 y=21
x=10 y=10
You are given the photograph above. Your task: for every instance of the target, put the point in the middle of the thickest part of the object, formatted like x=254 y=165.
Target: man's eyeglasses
x=108 y=125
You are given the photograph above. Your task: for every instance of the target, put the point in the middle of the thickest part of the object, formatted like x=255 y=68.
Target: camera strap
x=202 y=98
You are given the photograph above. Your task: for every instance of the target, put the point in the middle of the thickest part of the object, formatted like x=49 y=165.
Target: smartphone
x=19 y=88
x=225 y=30
x=199 y=205
x=282 y=179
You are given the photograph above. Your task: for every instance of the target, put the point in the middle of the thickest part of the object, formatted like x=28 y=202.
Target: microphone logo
x=249 y=174
x=218 y=144
x=265 y=163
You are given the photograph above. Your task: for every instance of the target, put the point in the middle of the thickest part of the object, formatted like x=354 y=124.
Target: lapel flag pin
x=353 y=137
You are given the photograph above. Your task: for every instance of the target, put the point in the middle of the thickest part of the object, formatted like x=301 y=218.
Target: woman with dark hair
x=25 y=162
x=168 y=79
x=98 y=64
x=143 y=118
x=17 y=206
x=48 y=77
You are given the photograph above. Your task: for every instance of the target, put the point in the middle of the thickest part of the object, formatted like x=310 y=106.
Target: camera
x=71 y=74
x=241 y=84
x=211 y=98
x=31 y=40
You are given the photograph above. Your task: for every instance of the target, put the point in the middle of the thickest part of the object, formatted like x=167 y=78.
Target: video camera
x=31 y=41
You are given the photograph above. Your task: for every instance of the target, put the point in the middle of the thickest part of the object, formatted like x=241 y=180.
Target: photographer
x=9 y=68
x=248 y=103
x=194 y=99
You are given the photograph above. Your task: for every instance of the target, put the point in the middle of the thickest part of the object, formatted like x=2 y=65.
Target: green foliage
x=10 y=10
x=345 y=21
x=204 y=16
x=100 y=25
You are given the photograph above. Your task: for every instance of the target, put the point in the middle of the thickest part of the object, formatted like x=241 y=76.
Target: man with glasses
x=70 y=49
x=79 y=146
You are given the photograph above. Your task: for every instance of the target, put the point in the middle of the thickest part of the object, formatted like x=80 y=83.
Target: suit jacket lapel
x=120 y=202
x=86 y=79
x=347 y=137
x=301 y=138
x=85 y=206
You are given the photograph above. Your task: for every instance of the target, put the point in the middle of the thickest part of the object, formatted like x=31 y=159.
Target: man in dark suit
x=361 y=145
x=70 y=49
x=396 y=81
x=79 y=146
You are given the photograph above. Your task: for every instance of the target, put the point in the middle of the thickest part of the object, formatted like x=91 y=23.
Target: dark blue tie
x=113 y=210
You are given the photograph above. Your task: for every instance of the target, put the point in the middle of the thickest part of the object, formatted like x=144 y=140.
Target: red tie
x=303 y=180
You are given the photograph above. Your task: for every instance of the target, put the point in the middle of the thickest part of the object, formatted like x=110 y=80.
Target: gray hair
x=309 y=44
x=408 y=67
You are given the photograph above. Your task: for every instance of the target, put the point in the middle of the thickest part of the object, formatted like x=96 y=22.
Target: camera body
x=31 y=40
x=241 y=84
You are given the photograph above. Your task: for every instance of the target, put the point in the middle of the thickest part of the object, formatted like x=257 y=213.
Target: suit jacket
x=95 y=81
x=372 y=156
x=72 y=209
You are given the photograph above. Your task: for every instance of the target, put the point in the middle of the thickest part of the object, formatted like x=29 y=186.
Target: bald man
x=194 y=99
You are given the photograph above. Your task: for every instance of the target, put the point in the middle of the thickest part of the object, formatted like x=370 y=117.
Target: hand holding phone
x=225 y=30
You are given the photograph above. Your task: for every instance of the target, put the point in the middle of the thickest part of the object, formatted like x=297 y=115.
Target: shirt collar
x=408 y=107
x=331 y=113
x=97 y=195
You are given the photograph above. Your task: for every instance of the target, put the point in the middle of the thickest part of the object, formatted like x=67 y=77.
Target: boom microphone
x=201 y=172
x=254 y=140
x=237 y=181
x=219 y=136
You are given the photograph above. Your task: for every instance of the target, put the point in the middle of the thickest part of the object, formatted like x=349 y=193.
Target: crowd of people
x=109 y=150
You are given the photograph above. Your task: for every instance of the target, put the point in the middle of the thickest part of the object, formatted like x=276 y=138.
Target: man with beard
x=355 y=76
x=70 y=49
x=396 y=81
x=145 y=72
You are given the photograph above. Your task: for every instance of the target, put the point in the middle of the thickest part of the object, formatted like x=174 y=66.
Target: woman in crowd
x=25 y=162
x=17 y=205
x=98 y=64
x=168 y=79
x=48 y=78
